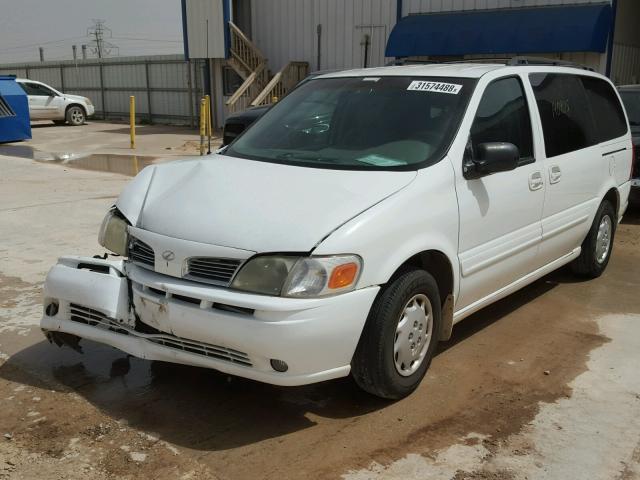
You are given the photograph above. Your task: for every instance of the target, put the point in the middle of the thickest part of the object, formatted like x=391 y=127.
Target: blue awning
x=511 y=31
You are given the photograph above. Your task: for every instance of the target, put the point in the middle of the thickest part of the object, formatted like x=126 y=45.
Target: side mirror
x=491 y=157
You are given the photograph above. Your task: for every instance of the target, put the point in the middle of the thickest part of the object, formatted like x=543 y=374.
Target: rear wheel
x=75 y=116
x=597 y=247
x=400 y=336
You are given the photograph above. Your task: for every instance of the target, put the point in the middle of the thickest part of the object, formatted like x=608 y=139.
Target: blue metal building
x=15 y=123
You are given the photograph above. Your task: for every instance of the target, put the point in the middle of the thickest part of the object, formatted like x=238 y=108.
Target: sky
x=139 y=27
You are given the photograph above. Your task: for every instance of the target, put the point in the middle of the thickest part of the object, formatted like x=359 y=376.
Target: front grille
x=141 y=253
x=95 y=318
x=219 y=271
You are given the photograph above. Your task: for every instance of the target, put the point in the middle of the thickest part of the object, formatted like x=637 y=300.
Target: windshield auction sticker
x=438 y=87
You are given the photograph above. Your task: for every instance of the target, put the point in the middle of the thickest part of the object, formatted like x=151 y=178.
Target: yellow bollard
x=132 y=120
x=209 y=121
x=203 y=123
x=208 y=115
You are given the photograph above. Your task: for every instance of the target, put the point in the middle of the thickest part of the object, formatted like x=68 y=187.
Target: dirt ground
x=544 y=384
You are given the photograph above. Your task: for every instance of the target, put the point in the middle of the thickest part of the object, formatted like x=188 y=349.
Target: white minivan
x=355 y=223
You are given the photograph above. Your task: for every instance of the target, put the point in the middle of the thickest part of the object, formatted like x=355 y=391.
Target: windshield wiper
x=313 y=158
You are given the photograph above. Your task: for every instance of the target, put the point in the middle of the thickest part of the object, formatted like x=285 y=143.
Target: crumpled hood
x=256 y=206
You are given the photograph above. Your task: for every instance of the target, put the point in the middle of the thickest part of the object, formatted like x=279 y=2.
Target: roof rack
x=515 y=61
x=510 y=61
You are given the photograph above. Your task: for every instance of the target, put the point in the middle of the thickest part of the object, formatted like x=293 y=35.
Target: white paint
x=593 y=434
x=492 y=229
x=47 y=103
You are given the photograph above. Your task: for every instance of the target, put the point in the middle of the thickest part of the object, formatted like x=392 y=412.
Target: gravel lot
x=542 y=385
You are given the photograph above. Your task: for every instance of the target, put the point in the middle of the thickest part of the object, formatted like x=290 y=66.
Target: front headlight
x=113 y=232
x=299 y=276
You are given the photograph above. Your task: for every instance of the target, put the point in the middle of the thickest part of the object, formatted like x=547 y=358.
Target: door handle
x=554 y=174
x=535 y=181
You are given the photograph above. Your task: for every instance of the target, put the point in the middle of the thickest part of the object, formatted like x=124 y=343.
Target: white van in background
x=355 y=223
x=47 y=103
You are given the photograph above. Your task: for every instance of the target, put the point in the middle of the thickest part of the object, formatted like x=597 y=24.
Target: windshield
x=396 y=123
x=631 y=102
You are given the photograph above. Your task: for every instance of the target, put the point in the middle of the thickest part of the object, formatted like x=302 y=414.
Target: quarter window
x=607 y=112
x=567 y=123
x=503 y=116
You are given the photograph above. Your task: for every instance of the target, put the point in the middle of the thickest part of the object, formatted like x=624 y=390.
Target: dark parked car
x=239 y=122
x=631 y=98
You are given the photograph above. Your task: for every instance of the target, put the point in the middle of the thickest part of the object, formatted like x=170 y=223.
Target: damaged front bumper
x=158 y=317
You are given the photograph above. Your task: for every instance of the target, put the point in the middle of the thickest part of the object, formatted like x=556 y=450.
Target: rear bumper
x=205 y=326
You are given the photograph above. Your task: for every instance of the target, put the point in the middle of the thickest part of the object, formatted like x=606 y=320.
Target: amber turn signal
x=343 y=275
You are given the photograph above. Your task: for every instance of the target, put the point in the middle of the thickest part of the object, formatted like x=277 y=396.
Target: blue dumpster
x=14 y=111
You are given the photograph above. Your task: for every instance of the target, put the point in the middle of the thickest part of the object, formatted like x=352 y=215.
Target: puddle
x=104 y=162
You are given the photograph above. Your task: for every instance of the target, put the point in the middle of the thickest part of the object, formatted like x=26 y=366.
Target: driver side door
x=43 y=102
x=500 y=214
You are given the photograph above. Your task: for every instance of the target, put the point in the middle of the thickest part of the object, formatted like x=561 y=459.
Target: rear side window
x=607 y=111
x=503 y=116
x=566 y=119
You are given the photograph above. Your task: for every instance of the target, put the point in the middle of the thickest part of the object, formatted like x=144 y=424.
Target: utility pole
x=41 y=50
x=84 y=52
x=99 y=46
x=74 y=48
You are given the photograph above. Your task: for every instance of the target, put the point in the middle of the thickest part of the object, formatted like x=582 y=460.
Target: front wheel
x=597 y=247
x=75 y=116
x=400 y=336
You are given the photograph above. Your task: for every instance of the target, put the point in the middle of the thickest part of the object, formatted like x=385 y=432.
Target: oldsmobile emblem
x=168 y=255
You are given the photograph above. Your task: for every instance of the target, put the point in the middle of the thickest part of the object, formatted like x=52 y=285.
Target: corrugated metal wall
x=286 y=30
x=167 y=83
x=429 y=6
x=625 y=68
x=197 y=14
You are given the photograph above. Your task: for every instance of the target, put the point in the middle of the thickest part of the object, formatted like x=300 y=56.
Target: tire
x=374 y=365
x=75 y=115
x=60 y=122
x=597 y=247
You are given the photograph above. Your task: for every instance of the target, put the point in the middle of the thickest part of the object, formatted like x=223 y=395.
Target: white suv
x=355 y=223
x=47 y=103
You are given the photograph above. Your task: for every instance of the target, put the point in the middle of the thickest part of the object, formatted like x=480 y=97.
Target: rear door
x=577 y=162
x=500 y=214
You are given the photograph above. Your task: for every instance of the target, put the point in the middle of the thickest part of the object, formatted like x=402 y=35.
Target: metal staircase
x=257 y=89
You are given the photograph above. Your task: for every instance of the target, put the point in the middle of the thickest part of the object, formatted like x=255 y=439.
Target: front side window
x=36 y=89
x=567 y=123
x=503 y=116
x=391 y=123
x=605 y=106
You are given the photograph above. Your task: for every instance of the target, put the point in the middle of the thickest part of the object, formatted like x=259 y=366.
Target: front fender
x=423 y=216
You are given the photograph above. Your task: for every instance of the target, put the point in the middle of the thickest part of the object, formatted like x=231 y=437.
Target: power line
x=148 y=39
x=20 y=47
x=99 y=46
